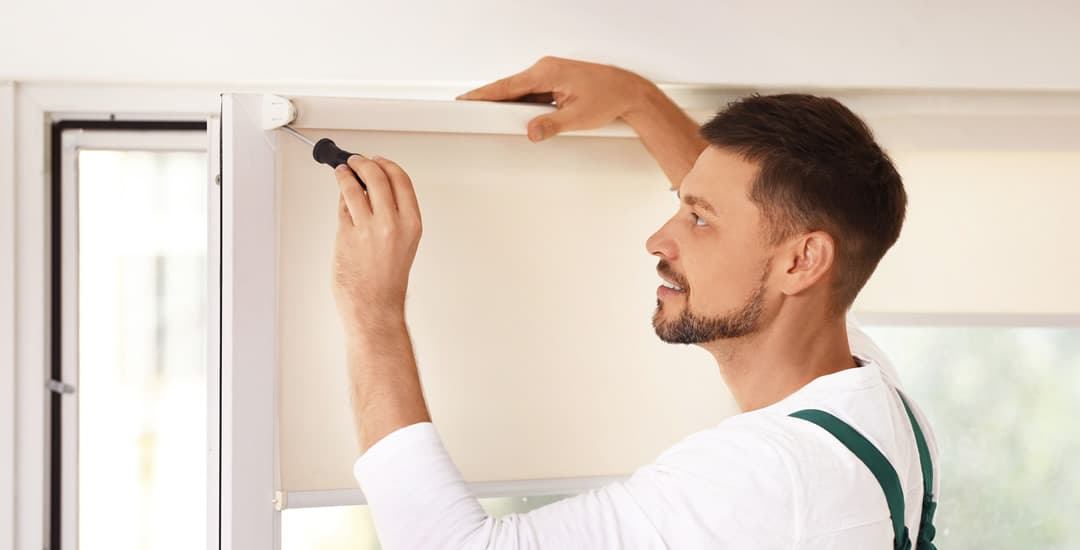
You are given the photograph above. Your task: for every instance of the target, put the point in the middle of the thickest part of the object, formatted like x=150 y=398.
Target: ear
x=807 y=260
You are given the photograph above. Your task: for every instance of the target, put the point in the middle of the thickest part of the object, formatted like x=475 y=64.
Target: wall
x=7 y=314
x=834 y=43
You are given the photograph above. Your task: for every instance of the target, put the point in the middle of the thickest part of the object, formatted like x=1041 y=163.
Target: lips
x=669 y=280
x=669 y=288
x=667 y=292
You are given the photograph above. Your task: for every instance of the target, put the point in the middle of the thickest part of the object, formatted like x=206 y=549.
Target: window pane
x=350 y=527
x=1003 y=402
x=142 y=350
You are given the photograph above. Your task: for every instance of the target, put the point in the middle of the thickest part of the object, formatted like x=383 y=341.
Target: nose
x=661 y=244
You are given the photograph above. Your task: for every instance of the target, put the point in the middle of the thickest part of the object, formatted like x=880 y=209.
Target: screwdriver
x=325 y=151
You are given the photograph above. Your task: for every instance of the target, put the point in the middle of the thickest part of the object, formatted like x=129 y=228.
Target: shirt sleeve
x=418 y=500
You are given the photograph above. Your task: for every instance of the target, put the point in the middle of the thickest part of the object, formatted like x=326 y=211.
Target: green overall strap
x=872 y=457
x=926 y=522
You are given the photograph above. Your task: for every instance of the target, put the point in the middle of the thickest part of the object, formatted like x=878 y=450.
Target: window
x=132 y=436
x=1002 y=401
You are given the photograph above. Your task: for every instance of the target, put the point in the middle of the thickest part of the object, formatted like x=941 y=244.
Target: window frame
x=69 y=137
x=36 y=107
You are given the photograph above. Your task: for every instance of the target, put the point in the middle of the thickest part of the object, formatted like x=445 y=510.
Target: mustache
x=664 y=269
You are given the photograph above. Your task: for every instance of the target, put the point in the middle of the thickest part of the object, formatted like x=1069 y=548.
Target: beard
x=690 y=328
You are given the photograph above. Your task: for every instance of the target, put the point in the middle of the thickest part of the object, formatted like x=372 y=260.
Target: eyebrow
x=696 y=201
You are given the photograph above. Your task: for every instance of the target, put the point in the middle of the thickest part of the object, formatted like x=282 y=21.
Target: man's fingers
x=404 y=192
x=344 y=217
x=355 y=198
x=511 y=87
x=546 y=126
x=378 y=185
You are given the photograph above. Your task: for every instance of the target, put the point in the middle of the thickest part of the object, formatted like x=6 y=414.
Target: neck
x=772 y=363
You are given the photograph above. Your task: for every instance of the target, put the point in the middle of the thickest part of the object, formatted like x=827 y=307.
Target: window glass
x=1003 y=402
x=142 y=350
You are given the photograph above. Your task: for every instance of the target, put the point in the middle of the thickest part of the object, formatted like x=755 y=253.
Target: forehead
x=722 y=178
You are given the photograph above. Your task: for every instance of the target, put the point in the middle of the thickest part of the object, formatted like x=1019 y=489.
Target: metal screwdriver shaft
x=298 y=135
x=325 y=151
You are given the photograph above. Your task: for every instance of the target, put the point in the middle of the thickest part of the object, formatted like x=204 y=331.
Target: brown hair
x=819 y=169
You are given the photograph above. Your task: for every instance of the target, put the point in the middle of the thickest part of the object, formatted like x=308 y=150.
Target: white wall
x=833 y=43
x=7 y=315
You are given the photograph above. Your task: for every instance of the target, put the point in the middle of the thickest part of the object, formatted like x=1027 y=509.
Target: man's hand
x=589 y=95
x=378 y=234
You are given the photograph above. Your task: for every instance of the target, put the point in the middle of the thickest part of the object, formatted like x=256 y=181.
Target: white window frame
x=24 y=243
x=36 y=107
x=249 y=515
x=73 y=141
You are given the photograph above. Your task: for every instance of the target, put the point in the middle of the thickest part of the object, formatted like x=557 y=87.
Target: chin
x=664 y=314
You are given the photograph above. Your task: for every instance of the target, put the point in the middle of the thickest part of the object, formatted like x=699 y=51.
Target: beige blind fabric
x=987 y=232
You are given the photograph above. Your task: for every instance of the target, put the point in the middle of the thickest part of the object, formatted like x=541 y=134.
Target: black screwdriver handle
x=327 y=152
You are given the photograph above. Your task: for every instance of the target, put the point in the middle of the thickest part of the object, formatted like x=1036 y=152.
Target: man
x=787 y=205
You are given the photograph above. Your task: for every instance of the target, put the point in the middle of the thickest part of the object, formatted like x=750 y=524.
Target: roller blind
x=531 y=298
x=991 y=224
x=988 y=232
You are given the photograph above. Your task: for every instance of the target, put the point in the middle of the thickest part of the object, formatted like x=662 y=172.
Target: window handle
x=59 y=387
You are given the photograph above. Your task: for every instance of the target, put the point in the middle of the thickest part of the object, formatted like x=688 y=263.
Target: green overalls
x=886 y=475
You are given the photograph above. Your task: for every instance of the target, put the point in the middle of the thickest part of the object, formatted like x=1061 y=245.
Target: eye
x=698 y=220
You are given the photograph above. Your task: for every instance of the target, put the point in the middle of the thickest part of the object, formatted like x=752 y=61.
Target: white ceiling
x=828 y=43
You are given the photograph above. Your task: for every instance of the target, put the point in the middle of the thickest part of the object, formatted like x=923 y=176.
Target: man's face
x=714 y=248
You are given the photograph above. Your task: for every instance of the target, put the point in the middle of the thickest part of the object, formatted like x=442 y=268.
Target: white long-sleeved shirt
x=757 y=480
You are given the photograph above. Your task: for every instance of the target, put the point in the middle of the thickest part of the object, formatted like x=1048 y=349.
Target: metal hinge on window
x=57 y=386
